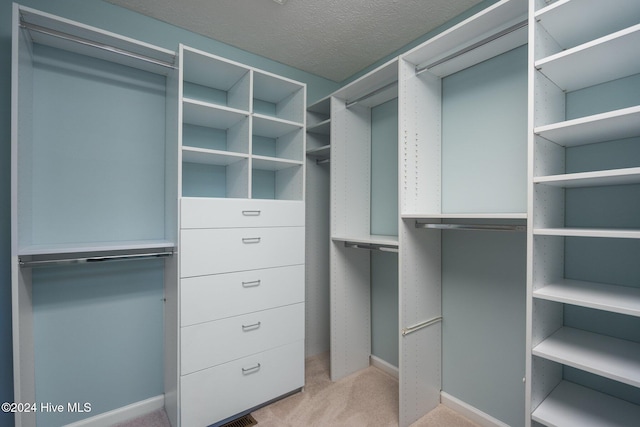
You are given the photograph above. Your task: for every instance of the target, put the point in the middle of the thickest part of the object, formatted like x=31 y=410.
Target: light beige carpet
x=368 y=398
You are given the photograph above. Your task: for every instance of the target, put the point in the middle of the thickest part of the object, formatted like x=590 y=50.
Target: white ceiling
x=330 y=38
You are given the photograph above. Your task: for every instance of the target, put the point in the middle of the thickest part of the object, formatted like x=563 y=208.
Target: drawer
x=206 y=298
x=226 y=213
x=217 y=393
x=213 y=343
x=225 y=250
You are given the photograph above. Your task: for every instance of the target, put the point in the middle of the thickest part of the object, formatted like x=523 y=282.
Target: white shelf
x=211 y=115
x=324 y=151
x=372 y=239
x=573 y=405
x=323 y=128
x=514 y=215
x=592 y=179
x=608 y=357
x=599 y=296
x=383 y=76
x=608 y=58
x=272 y=127
x=273 y=163
x=609 y=126
x=70 y=248
x=603 y=18
x=613 y=233
x=211 y=71
x=211 y=157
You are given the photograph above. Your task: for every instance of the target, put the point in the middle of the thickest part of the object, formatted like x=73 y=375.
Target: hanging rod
x=98 y=45
x=371 y=247
x=471 y=227
x=370 y=94
x=421 y=325
x=476 y=45
x=94 y=259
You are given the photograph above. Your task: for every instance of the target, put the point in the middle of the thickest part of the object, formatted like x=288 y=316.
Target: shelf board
x=382 y=76
x=600 y=296
x=273 y=163
x=613 y=233
x=601 y=16
x=609 y=126
x=573 y=405
x=372 y=239
x=209 y=115
x=272 y=88
x=514 y=215
x=592 y=179
x=323 y=152
x=608 y=58
x=92 y=247
x=273 y=127
x=323 y=128
x=211 y=157
x=608 y=357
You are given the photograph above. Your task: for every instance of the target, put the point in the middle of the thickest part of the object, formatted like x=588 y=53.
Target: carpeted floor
x=368 y=398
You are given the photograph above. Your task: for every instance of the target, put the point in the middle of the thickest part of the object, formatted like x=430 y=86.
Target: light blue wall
x=122 y=21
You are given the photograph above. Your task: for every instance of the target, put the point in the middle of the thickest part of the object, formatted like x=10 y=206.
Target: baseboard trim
x=468 y=411
x=384 y=366
x=122 y=414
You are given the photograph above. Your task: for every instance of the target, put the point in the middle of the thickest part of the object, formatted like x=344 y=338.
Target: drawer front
x=218 y=296
x=228 y=213
x=225 y=250
x=213 y=343
x=217 y=393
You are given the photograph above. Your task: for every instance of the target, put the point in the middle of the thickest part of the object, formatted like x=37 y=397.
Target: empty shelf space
x=323 y=128
x=589 y=232
x=271 y=127
x=324 y=151
x=592 y=179
x=573 y=405
x=602 y=18
x=600 y=296
x=608 y=58
x=210 y=115
x=210 y=157
x=618 y=124
x=609 y=357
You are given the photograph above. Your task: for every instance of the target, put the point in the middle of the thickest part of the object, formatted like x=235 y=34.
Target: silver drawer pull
x=251 y=213
x=251 y=327
x=255 y=368
x=251 y=240
x=251 y=284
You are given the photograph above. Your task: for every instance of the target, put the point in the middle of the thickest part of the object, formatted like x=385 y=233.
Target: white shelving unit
x=70 y=214
x=565 y=59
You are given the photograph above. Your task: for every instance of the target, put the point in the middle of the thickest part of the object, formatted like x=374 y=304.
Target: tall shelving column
x=241 y=294
x=585 y=234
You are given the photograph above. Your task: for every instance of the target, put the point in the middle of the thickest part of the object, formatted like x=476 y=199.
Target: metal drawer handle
x=255 y=368
x=251 y=240
x=251 y=327
x=251 y=284
x=251 y=213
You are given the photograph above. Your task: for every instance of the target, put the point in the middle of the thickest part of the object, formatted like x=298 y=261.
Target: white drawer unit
x=242 y=336
x=217 y=393
x=198 y=212
x=224 y=250
x=217 y=296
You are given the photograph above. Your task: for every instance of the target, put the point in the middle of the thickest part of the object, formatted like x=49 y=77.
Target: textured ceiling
x=330 y=38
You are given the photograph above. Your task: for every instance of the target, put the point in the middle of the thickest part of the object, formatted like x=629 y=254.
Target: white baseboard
x=468 y=411
x=125 y=413
x=384 y=366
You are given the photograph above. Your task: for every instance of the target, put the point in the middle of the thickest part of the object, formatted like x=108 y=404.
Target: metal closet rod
x=371 y=247
x=370 y=94
x=94 y=259
x=476 y=45
x=421 y=325
x=472 y=227
x=97 y=45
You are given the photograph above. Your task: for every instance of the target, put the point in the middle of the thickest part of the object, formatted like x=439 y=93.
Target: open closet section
x=584 y=309
x=463 y=206
x=241 y=295
x=94 y=167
